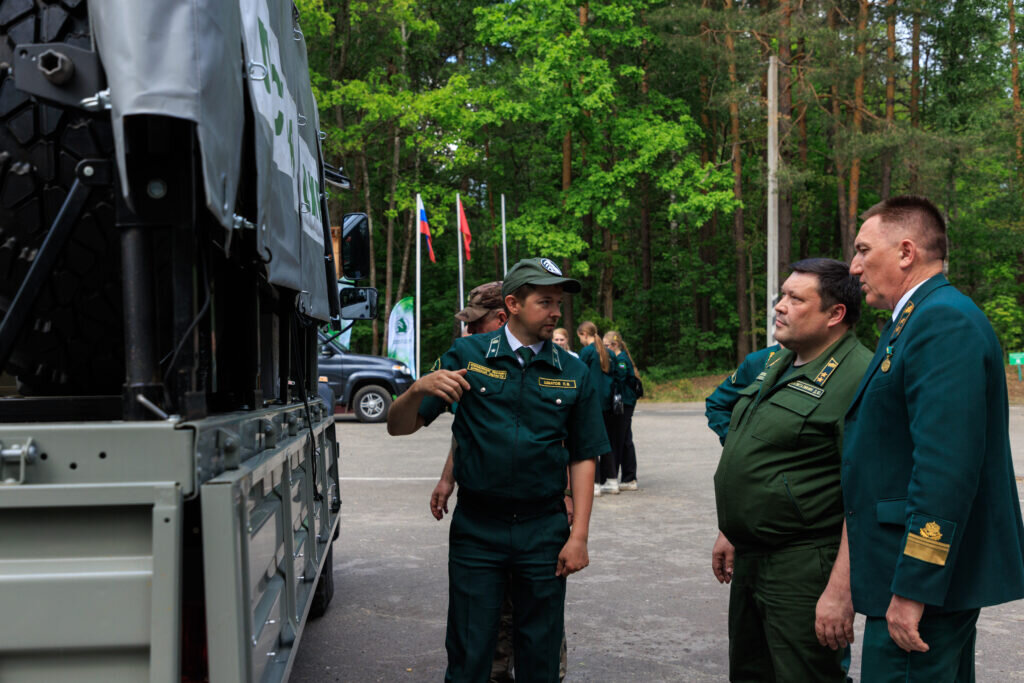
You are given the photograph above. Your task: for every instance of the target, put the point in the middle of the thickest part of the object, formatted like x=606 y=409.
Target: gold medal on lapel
x=886 y=364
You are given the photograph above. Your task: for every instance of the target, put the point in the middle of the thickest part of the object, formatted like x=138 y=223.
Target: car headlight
x=402 y=368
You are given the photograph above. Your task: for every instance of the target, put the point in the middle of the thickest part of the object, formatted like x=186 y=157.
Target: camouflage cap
x=537 y=272
x=482 y=300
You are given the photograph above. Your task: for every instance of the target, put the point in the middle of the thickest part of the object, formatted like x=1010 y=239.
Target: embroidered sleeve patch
x=814 y=391
x=489 y=372
x=436 y=365
x=556 y=383
x=924 y=542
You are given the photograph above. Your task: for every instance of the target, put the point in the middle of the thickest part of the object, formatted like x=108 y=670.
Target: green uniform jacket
x=718 y=406
x=518 y=428
x=777 y=482
x=932 y=511
x=624 y=369
x=602 y=380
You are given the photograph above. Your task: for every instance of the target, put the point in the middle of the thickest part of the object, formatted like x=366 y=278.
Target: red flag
x=464 y=228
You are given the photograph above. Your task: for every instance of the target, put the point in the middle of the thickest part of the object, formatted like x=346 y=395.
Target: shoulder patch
x=486 y=371
x=436 y=365
x=772 y=360
x=556 y=383
x=760 y=376
x=810 y=389
x=826 y=372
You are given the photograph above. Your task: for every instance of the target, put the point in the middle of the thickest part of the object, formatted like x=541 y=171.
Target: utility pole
x=773 y=197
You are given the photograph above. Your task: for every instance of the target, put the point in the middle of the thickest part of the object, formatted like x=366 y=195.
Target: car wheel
x=371 y=404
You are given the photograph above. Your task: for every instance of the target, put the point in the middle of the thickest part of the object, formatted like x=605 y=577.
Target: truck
x=169 y=485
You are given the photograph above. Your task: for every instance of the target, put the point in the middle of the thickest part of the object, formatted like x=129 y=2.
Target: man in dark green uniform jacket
x=527 y=410
x=777 y=488
x=932 y=512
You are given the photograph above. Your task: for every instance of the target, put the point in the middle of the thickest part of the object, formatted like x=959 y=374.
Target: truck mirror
x=358 y=303
x=326 y=351
x=355 y=247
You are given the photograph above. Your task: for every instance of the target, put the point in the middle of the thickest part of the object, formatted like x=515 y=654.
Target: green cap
x=538 y=272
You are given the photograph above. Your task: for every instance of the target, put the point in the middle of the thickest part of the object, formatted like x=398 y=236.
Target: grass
x=659 y=388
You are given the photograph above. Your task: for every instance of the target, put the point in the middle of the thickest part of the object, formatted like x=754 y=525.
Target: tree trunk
x=890 y=95
x=375 y=343
x=785 y=126
x=915 y=94
x=743 y=337
x=837 y=130
x=389 y=231
x=410 y=233
x=1018 y=118
x=858 y=114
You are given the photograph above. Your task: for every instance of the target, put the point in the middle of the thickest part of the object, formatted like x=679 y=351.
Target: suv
x=363 y=384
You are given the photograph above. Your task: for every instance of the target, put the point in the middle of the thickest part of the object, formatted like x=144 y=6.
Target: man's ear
x=502 y=317
x=908 y=253
x=512 y=304
x=837 y=315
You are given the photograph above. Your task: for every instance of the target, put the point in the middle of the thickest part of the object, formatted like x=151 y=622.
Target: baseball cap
x=482 y=300
x=538 y=272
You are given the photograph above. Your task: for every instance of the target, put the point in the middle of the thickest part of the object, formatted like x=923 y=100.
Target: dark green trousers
x=490 y=549
x=771 y=617
x=950 y=657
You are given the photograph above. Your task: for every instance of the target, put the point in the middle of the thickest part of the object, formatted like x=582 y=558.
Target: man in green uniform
x=777 y=488
x=527 y=410
x=932 y=511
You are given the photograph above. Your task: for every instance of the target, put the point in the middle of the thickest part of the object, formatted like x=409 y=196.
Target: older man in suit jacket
x=932 y=512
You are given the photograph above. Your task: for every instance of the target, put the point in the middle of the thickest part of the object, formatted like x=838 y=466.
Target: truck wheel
x=371 y=404
x=72 y=342
x=324 y=587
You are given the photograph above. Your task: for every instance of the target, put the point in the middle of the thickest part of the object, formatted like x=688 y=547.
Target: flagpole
x=458 y=230
x=504 y=241
x=419 y=240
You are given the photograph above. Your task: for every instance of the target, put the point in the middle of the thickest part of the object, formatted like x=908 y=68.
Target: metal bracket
x=89 y=173
x=58 y=72
x=18 y=456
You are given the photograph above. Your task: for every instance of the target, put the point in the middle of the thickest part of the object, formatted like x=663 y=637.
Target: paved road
x=647 y=609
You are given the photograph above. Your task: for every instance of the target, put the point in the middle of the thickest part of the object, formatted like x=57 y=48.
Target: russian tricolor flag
x=425 y=227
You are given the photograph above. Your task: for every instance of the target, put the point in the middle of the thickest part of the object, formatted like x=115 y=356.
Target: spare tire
x=72 y=343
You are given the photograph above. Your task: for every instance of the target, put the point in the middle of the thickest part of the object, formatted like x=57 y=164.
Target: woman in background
x=560 y=337
x=624 y=368
x=595 y=355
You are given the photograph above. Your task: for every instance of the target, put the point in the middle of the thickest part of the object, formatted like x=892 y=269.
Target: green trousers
x=950 y=657
x=771 y=618
x=490 y=549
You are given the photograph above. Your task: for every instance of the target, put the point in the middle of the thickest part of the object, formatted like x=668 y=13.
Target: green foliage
x=484 y=97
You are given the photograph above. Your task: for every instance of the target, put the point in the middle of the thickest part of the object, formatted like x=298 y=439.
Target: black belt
x=498 y=506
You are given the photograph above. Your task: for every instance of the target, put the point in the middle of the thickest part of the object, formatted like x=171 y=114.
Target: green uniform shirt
x=602 y=380
x=623 y=370
x=517 y=428
x=778 y=481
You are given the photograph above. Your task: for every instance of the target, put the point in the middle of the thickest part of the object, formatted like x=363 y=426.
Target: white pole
x=773 y=196
x=504 y=239
x=419 y=240
x=458 y=231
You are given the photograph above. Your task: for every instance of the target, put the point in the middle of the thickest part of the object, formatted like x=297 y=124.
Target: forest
x=629 y=139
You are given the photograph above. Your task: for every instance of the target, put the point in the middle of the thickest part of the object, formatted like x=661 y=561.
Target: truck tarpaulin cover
x=186 y=60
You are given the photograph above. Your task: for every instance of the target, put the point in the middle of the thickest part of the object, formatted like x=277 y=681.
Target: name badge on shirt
x=556 y=383
x=486 y=371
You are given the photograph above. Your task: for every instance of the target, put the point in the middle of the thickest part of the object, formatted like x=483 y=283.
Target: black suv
x=362 y=384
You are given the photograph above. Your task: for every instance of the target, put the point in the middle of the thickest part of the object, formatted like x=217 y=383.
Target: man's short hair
x=918 y=214
x=835 y=285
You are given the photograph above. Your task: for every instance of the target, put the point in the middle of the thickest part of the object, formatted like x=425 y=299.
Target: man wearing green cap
x=526 y=411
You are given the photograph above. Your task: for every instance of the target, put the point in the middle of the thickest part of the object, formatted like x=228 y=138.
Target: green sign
x=1018 y=360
